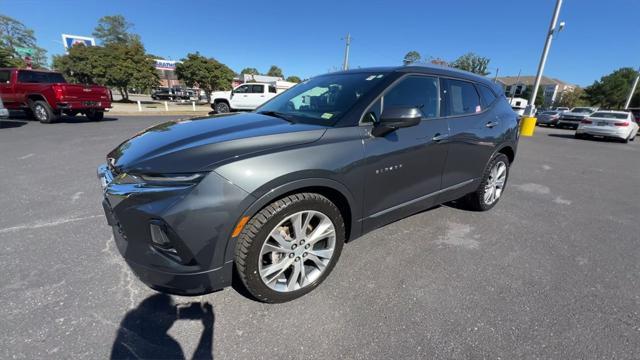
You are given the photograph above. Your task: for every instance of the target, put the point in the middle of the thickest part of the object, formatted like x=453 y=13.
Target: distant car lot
x=550 y=273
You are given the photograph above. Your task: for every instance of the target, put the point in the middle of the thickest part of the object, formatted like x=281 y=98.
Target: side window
x=5 y=75
x=257 y=89
x=488 y=96
x=373 y=114
x=461 y=97
x=242 y=89
x=272 y=89
x=25 y=76
x=415 y=91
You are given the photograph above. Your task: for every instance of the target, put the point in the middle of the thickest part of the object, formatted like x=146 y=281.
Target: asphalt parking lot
x=552 y=272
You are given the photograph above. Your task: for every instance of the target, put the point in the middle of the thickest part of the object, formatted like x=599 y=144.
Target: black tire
x=43 y=112
x=257 y=230
x=578 y=136
x=221 y=107
x=94 y=115
x=475 y=200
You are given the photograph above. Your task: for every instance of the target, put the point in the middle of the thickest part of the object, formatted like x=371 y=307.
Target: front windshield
x=323 y=99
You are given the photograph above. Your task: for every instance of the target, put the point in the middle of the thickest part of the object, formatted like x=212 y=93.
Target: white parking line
x=42 y=224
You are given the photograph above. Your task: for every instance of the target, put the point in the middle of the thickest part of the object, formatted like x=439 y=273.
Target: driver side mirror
x=396 y=117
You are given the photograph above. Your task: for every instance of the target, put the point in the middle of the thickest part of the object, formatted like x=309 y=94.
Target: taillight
x=622 y=123
x=57 y=89
x=586 y=121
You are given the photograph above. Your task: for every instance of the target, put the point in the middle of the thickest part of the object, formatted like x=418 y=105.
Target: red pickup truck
x=46 y=95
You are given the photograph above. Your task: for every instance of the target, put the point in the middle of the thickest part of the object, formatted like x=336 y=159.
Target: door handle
x=491 y=124
x=439 y=137
x=245 y=95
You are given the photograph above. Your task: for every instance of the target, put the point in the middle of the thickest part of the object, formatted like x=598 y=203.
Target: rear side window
x=415 y=91
x=461 y=97
x=4 y=76
x=487 y=96
x=272 y=89
x=40 y=77
x=257 y=89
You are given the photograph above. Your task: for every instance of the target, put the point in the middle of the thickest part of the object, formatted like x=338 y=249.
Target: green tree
x=573 y=98
x=411 y=57
x=526 y=94
x=114 y=29
x=294 y=79
x=275 y=71
x=119 y=65
x=206 y=73
x=14 y=34
x=7 y=59
x=83 y=64
x=611 y=90
x=472 y=63
x=250 y=71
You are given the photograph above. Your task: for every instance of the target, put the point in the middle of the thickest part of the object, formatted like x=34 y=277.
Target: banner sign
x=71 y=40
x=166 y=64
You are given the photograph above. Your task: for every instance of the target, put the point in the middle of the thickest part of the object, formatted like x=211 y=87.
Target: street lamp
x=543 y=58
x=633 y=89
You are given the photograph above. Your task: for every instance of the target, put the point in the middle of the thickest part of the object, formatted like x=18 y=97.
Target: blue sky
x=304 y=37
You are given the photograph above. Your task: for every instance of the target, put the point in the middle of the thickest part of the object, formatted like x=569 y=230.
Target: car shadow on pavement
x=565 y=136
x=82 y=119
x=143 y=333
x=7 y=124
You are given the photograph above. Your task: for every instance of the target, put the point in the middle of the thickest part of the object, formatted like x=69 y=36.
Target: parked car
x=549 y=118
x=171 y=94
x=46 y=95
x=636 y=114
x=4 y=113
x=275 y=193
x=247 y=96
x=573 y=117
x=618 y=125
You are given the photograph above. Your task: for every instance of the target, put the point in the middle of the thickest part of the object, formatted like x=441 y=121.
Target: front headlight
x=160 y=179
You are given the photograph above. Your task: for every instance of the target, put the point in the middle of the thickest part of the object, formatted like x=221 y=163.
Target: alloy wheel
x=40 y=112
x=297 y=251
x=495 y=183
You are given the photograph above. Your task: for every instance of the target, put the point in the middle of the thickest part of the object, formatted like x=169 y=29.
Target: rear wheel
x=290 y=247
x=492 y=185
x=43 y=112
x=94 y=115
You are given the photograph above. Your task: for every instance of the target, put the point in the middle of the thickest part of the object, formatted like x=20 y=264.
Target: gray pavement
x=552 y=272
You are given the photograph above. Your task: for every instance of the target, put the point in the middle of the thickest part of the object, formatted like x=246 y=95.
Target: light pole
x=633 y=89
x=543 y=58
x=345 y=64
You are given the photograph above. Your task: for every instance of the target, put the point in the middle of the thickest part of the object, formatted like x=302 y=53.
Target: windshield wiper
x=277 y=114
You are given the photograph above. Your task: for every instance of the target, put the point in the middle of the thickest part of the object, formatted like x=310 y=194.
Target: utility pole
x=543 y=58
x=495 y=78
x=517 y=83
x=345 y=64
x=633 y=90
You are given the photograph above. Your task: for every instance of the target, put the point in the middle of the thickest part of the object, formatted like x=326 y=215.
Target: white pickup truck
x=247 y=96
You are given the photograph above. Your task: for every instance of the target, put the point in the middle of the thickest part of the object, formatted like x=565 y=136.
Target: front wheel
x=221 y=107
x=289 y=247
x=491 y=186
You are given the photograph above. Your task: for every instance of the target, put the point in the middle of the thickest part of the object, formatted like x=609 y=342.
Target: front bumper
x=198 y=220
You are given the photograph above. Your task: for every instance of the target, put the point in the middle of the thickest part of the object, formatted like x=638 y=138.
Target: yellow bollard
x=527 y=126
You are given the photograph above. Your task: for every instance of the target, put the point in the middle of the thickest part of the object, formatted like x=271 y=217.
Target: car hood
x=200 y=144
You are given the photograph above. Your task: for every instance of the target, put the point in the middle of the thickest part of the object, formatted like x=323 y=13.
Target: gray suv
x=274 y=194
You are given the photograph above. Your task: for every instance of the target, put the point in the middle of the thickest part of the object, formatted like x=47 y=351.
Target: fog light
x=158 y=236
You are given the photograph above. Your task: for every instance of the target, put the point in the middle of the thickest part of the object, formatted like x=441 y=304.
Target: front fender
x=293 y=186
